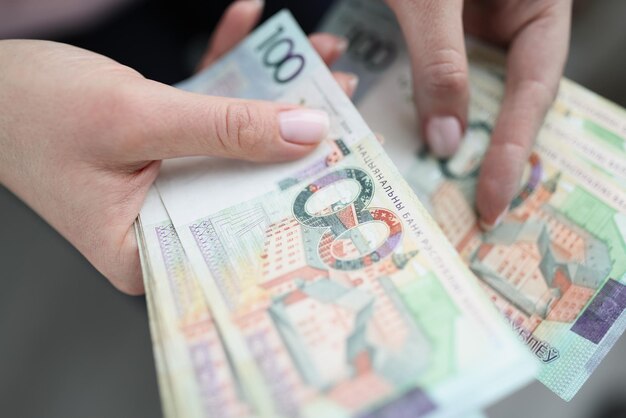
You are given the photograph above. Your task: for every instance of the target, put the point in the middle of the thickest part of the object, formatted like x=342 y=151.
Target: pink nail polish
x=258 y=3
x=303 y=126
x=444 y=135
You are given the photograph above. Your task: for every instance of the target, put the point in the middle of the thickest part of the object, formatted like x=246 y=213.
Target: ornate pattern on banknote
x=218 y=392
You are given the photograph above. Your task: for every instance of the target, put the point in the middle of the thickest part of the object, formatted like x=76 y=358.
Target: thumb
x=179 y=124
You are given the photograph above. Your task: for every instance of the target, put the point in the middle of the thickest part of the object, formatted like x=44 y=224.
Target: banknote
x=595 y=127
x=165 y=385
x=555 y=267
x=194 y=379
x=334 y=292
x=373 y=48
x=193 y=368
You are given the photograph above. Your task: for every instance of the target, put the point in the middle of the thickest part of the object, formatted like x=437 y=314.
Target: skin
x=536 y=34
x=82 y=136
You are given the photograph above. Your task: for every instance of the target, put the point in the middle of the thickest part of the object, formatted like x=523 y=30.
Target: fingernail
x=444 y=135
x=490 y=227
x=303 y=126
x=353 y=82
x=259 y=4
x=342 y=45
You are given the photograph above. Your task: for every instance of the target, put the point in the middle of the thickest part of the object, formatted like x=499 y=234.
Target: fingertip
x=353 y=83
x=444 y=135
x=342 y=45
x=303 y=126
x=234 y=25
x=329 y=47
x=489 y=225
x=243 y=14
x=497 y=185
x=487 y=195
x=253 y=4
x=347 y=81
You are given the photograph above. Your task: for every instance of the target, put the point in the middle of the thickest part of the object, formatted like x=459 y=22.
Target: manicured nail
x=342 y=45
x=303 y=126
x=444 y=135
x=490 y=227
x=353 y=82
x=260 y=3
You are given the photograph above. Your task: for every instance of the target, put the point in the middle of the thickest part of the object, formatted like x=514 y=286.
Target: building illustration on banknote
x=359 y=313
x=352 y=305
x=543 y=266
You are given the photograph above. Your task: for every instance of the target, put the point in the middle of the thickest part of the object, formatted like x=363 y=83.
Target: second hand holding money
x=536 y=34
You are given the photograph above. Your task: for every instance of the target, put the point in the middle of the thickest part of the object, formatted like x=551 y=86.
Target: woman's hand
x=537 y=35
x=82 y=137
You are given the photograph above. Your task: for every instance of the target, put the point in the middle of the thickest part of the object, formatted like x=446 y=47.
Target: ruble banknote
x=555 y=267
x=193 y=368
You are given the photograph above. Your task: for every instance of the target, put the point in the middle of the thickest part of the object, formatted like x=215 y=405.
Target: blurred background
x=71 y=345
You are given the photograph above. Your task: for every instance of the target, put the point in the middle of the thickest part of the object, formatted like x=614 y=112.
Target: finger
x=488 y=19
x=238 y=20
x=347 y=82
x=329 y=47
x=534 y=67
x=178 y=123
x=433 y=30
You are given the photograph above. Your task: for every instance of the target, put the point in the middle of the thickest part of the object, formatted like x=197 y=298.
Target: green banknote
x=555 y=267
x=334 y=292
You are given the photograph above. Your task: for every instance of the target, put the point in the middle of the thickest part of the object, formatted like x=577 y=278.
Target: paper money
x=555 y=267
x=373 y=48
x=165 y=384
x=194 y=370
x=335 y=294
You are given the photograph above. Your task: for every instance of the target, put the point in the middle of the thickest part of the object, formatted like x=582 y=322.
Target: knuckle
x=517 y=149
x=514 y=145
x=542 y=92
x=489 y=191
x=446 y=72
x=241 y=127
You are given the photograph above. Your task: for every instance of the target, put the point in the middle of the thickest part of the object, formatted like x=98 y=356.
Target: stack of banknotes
x=355 y=282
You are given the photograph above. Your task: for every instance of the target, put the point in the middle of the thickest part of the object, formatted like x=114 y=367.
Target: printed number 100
x=279 y=55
